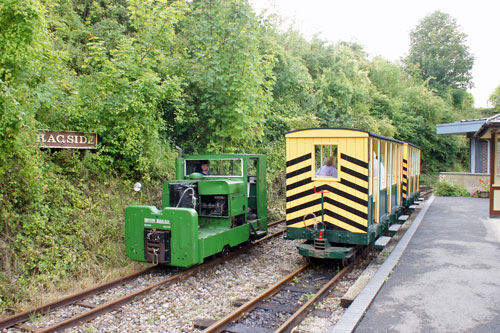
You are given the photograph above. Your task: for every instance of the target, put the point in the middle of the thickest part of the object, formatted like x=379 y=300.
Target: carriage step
x=413 y=206
x=381 y=242
x=403 y=218
x=394 y=228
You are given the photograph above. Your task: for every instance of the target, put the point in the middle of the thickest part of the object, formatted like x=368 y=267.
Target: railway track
x=285 y=304
x=281 y=316
x=69 y=300
x=95 y=310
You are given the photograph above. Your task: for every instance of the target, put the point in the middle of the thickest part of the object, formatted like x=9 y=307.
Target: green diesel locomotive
x=215 y=203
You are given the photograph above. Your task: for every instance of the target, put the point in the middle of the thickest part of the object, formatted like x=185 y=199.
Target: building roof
x=461 y=127
x=485 y=129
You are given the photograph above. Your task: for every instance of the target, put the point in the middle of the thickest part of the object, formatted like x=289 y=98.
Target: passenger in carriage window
x=382 y=171
x=329 y=169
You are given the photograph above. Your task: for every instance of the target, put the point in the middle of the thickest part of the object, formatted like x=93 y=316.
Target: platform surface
x=447 y=278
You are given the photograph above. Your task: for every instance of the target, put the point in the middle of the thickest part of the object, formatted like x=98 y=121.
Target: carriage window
x=383 y=161
x=325 y=157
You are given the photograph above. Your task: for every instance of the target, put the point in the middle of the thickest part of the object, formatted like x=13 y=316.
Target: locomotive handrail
x=322 y=205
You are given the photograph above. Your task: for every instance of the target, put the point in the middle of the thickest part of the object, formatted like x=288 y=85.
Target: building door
x=495 y=174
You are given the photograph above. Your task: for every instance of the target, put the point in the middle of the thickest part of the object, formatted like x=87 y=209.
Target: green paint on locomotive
x=201 y=215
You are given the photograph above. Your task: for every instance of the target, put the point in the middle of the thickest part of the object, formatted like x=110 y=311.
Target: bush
x=446 y=189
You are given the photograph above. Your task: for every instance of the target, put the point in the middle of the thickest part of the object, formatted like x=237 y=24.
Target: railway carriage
x=337 y=213
x=201 y=215
x=411 y=173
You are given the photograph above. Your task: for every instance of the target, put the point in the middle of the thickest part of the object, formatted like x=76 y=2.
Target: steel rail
x=222 y=324
x=301 y=313
x=298 y=316
x=426 y=193
x=24 y=316
x=263 y=239
x=276 y=222
x=110 y=306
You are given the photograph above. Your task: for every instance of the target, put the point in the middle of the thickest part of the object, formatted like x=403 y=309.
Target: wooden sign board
x=67 y=139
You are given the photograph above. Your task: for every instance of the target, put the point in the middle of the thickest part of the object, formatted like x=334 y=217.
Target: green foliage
x=495 y=99
x=227 y=78
x=292 y=104
x=343 y=90
x=446 y=189
x=461 y=99
x=276 y=177
x=438 y=48
x=429 y=178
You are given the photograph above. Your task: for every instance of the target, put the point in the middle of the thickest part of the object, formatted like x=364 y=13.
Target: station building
x=479 y=161
x=484 y=135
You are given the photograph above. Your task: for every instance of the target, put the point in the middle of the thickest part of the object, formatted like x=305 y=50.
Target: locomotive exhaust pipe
x=179 y=149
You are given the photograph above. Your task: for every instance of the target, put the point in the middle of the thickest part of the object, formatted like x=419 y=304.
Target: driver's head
x=204 y=165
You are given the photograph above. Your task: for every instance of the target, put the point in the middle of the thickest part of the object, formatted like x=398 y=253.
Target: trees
x=495 y=98
x=226 y=77
x=22 y=39
x=123 y=84
x=438 y=48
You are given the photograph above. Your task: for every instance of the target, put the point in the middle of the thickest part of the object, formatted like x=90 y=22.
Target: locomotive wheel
x=224 y=252
x=347 y=261
x=314 y=261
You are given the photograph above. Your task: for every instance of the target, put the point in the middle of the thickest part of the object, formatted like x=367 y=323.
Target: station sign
x=66 y=139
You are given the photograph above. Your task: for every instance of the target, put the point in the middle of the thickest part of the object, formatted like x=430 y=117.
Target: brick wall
x=469 y=180
x=484 y=157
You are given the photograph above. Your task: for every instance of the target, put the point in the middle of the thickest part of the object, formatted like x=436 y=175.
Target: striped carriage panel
x=405 y=171
x=345 y=203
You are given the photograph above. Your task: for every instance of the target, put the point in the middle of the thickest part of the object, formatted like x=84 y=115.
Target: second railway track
x=93 y=308
x=285 y=304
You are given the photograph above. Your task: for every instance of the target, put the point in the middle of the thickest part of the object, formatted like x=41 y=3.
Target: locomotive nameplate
x=158 y=221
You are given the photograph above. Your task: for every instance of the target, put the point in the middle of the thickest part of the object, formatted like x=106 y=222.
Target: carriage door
x=495 y=174
x=375 y=179
x=383 y=179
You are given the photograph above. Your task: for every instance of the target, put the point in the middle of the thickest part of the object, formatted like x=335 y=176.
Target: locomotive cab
x=202 y=214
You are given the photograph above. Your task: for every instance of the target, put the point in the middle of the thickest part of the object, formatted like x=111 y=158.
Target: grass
x=306 y=297
x=91 y=253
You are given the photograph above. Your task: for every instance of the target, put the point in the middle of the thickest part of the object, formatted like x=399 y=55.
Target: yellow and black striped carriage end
x=342 y=188
x=339 y=203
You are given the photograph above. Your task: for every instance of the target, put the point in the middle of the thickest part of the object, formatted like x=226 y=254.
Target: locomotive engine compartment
x=183 y=194
x=222 y=198
x=214 y=205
